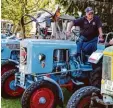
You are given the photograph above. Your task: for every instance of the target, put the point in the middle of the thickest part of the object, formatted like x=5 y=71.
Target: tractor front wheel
x=40 y=95
x=82 y=97
x=8 y=88
x=7 y=68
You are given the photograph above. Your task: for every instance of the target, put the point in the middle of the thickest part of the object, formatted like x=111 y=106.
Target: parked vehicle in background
x=6 y=28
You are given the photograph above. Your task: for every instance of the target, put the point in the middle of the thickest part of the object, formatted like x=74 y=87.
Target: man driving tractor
x=91 y=31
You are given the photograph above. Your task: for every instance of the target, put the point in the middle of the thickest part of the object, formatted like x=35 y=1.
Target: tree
x=15 y=9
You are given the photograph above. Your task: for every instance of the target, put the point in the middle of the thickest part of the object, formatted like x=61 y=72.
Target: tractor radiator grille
x=106 y=75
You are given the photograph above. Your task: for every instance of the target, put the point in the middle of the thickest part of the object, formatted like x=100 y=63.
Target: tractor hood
x=31 y=50
x=7 y=46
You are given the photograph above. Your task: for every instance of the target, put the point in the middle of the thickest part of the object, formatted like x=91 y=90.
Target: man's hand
x=100 y=35
x=101 y=39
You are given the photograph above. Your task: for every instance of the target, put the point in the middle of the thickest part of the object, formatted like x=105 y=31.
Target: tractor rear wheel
x=82 y=97
x=8 y=88
x=41 y=94
x=96 y=76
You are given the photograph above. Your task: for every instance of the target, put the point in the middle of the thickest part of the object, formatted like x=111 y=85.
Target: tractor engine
x=61 y=66
x=61 y=59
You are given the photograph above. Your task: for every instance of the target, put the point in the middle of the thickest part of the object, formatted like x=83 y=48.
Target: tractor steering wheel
x=107 y=38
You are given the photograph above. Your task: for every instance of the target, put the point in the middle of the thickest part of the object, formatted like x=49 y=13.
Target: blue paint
x=12 y=85
x=10 y=49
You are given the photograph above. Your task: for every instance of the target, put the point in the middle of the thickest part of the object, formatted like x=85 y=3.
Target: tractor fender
x=61 y=96
x=11 y=62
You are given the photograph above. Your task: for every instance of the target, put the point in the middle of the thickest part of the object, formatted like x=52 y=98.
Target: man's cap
x=89 y=9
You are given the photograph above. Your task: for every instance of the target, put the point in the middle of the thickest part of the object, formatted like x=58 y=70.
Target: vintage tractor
x=10 y=50
x=90 y=96
x=45 y=67
x=10 y=54
x=10 y=46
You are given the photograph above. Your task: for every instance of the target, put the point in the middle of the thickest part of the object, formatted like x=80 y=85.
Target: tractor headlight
x=41 y=57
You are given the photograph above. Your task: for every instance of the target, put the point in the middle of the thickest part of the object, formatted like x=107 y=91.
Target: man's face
x=89 y=15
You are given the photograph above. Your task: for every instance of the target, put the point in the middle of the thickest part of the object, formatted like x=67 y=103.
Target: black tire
x=5 y=91
x=25 y=101
x=79 y=95
x=96 y=76
x=6 y=68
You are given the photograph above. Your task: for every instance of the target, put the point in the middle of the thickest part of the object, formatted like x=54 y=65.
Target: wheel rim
x=6 y=68
x=85 y=102
x=42 y=98
x=11 y=89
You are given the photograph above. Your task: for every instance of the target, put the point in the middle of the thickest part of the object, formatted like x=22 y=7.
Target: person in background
x=91 y=31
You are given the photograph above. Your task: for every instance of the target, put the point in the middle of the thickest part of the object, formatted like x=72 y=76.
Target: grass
x=15 y=103
x=10 y=103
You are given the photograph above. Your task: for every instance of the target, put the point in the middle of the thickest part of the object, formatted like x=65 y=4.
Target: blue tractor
x=45 y=67
x=10 y=54
x=9 y=47
x=9 y=50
